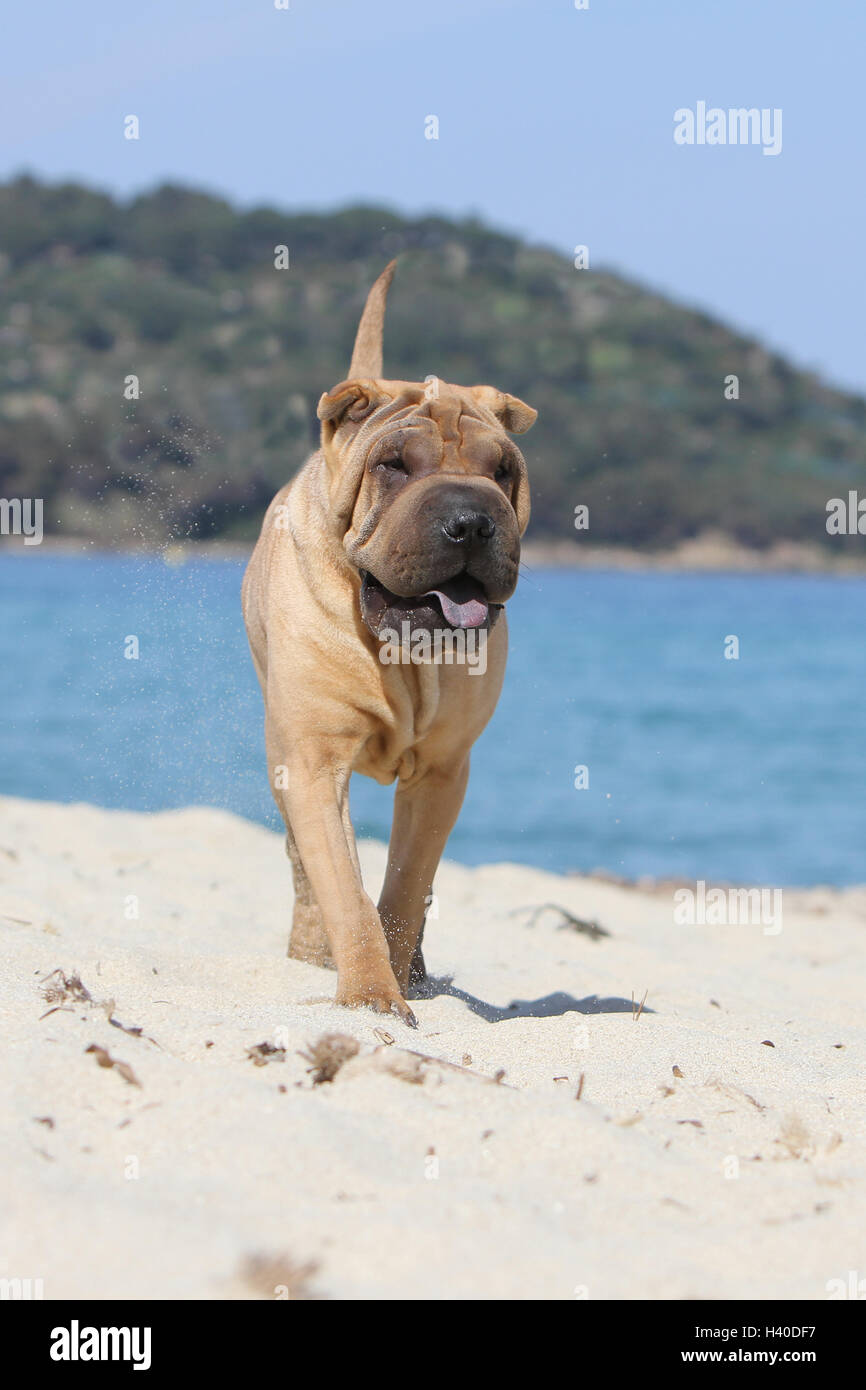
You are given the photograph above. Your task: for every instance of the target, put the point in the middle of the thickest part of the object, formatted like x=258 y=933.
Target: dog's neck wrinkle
x=425 y=700
x=329 y=551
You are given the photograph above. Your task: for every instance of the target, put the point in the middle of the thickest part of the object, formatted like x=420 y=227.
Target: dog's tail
x=367 y=353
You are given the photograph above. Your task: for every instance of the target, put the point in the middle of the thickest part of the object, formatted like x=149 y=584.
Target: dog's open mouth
x=456 y=603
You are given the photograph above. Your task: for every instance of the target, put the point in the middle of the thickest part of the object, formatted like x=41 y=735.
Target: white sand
x=622 y=1194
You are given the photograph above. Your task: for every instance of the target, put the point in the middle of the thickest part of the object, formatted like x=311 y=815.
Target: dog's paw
x=401 y=1010
x=382 y=998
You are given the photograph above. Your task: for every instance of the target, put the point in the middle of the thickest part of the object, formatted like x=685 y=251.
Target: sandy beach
x=538 y=1136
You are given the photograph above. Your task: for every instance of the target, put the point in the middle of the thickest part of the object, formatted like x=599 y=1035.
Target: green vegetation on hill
x=179 y=289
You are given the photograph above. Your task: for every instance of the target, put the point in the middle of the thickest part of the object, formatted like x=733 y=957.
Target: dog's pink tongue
x=461 y=608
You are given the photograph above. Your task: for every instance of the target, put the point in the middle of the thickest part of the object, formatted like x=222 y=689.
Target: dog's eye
x=503 y=473
x=392 y=465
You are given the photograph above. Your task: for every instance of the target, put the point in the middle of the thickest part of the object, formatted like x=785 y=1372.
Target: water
x=749 y=770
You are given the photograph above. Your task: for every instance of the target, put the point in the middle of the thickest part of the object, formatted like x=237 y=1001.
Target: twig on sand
x=64 y=992
x=278 y=1276
x=328 y=1055
x=265 y=1052
x=59 y=988
x=593 y=929
x=333 y=1050
x=105 y=1059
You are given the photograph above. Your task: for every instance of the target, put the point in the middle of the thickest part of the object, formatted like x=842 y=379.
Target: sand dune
x=698 y=1162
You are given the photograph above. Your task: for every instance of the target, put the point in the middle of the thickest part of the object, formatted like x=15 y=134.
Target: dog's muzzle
x=458 y=603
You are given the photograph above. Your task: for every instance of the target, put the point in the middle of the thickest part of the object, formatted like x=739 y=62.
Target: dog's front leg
x=424 y=816
x=315 y=801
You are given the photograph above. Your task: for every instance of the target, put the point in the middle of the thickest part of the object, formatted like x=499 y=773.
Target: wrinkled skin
x=413 y=507
x=436 y=502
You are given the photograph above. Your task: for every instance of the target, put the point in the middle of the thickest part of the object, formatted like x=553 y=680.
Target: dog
x=407 y=520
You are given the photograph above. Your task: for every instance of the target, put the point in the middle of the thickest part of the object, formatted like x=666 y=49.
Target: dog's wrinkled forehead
x=443 y=425
x=365 y=400
x=455 y=428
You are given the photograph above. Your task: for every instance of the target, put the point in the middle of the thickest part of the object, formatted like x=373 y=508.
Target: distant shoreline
x=708 y=553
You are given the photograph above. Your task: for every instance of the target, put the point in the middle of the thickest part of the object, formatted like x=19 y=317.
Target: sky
x=555 y=122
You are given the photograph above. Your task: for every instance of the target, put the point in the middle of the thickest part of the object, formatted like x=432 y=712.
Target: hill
x=179 y=289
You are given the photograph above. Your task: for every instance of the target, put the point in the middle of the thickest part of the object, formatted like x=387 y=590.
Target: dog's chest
x=410 y=712
x=434 y=713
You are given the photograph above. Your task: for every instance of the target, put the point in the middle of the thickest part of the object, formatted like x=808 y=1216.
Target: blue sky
x=555 y=123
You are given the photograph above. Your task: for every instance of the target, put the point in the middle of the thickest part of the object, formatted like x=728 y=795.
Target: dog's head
x=429 y=493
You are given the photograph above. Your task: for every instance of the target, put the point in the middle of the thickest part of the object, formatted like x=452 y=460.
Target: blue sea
x=750 y=770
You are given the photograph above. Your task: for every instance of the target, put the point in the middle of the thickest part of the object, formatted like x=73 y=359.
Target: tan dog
x=406 y=521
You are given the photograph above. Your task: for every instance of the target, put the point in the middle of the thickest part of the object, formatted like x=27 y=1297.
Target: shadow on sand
x=550 y=1006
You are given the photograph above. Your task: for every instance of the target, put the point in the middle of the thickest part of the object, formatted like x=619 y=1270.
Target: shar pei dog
x=373 y=603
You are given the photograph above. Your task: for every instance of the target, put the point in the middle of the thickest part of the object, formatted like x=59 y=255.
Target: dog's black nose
x=468 y=525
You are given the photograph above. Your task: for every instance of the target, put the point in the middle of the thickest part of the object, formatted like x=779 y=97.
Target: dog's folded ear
x=346 y=408
x=350 y=400
x=514 y=415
